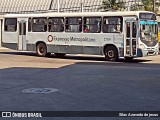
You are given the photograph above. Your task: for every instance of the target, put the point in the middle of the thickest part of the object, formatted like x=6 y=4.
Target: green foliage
x=113 y=5
x=136 y=7
x=110 y=5
x=148 y=5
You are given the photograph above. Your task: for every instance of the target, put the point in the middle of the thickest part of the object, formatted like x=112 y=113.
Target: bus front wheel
x=41 y=50
x=111 y=53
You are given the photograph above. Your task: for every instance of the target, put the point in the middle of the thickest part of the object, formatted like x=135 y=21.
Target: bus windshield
x=149 y=30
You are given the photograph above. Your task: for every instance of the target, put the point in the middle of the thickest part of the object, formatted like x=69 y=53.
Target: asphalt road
x=82 y=83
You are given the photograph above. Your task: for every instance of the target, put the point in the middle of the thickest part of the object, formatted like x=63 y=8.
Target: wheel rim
x=110 y=53
x=41 y=50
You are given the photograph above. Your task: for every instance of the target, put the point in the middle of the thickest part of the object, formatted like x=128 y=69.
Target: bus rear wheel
x=41 y=50
x=111 y=53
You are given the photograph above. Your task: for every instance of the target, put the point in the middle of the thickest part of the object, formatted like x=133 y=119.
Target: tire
x=111 y=53
x=41 y=50
x=59 y=54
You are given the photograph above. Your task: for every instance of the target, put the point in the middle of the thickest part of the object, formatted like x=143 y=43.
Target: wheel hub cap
x=41 y=50
x=110 y=54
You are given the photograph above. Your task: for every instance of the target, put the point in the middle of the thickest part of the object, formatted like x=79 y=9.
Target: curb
x=3 y=48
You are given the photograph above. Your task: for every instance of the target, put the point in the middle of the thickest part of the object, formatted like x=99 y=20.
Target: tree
x=148 y=5
x=145 y=5
x=110 y=5
x=136 y=7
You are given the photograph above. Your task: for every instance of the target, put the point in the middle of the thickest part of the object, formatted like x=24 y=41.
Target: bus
x=114 y=35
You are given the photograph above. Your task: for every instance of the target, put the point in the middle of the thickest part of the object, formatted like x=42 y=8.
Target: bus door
x=1 y=32
x=22 y=43
x=130 y=38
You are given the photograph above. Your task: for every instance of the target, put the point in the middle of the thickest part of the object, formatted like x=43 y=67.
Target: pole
x=50 y=7
x=58 y=5
x=82 y=7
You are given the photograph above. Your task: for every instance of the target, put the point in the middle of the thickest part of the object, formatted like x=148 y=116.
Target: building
x=12 y=6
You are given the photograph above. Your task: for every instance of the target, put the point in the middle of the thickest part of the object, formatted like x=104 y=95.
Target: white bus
x=112 y=34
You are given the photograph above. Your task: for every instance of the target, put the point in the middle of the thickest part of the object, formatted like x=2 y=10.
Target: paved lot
x=84 y=83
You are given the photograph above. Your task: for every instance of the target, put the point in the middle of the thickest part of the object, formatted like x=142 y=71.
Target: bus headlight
x=142 y=46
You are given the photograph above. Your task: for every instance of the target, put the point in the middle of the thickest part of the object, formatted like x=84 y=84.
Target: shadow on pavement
x=72 y=57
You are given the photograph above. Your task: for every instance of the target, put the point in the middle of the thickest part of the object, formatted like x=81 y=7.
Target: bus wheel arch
x=111 y=52
x=41 y=49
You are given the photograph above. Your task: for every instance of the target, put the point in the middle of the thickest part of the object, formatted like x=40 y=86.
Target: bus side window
x=56 y=24
x=39 y=25
x=10 y=25
x=105 y=25
x=86 y=26
x=29 y=24
x=128 y=29
x=92 y=25
x=73 y=24
x=134 y=29
x=112 y=24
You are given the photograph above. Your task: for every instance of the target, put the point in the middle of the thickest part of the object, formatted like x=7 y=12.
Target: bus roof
x=55 y=14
